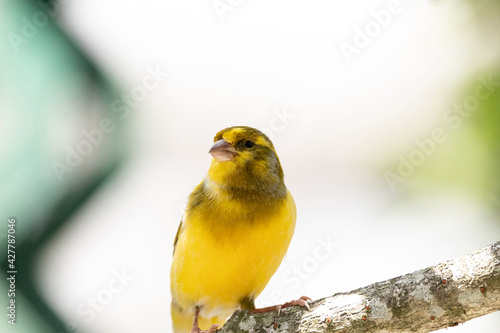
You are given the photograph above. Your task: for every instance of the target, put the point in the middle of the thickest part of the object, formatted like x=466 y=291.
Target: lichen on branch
x=427 y=300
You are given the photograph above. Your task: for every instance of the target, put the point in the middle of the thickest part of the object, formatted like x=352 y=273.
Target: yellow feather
x=227 y=250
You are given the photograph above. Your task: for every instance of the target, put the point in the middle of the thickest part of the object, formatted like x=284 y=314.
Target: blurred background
x=385 y=115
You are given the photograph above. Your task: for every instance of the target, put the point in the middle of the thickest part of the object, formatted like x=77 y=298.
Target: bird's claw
x=302 y=301
x=212 y=329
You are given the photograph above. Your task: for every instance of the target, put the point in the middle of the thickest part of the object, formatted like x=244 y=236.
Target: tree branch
x=427 y=300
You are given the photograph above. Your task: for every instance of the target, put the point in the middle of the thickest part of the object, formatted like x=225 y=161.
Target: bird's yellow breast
x=220 y=261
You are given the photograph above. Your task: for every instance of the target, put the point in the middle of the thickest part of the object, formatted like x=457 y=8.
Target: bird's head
x=244 y=158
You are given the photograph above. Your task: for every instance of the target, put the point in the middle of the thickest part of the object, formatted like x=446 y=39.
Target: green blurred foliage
x=469 y=160
x=51 y=93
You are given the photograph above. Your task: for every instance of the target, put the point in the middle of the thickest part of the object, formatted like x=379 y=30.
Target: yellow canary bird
x=234 y=234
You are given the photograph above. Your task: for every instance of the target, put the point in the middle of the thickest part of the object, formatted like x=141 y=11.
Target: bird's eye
x=249 y=144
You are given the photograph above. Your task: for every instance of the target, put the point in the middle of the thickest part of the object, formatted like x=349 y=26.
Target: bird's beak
x=223 y=151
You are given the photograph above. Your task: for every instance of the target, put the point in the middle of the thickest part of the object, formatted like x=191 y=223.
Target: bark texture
x=427 y=300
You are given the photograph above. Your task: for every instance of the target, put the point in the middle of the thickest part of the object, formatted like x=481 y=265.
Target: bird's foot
x=212 y=329
x=302 y=301
x=196 y=328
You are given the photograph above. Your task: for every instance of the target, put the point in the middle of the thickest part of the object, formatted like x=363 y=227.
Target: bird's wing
x=177 y=235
